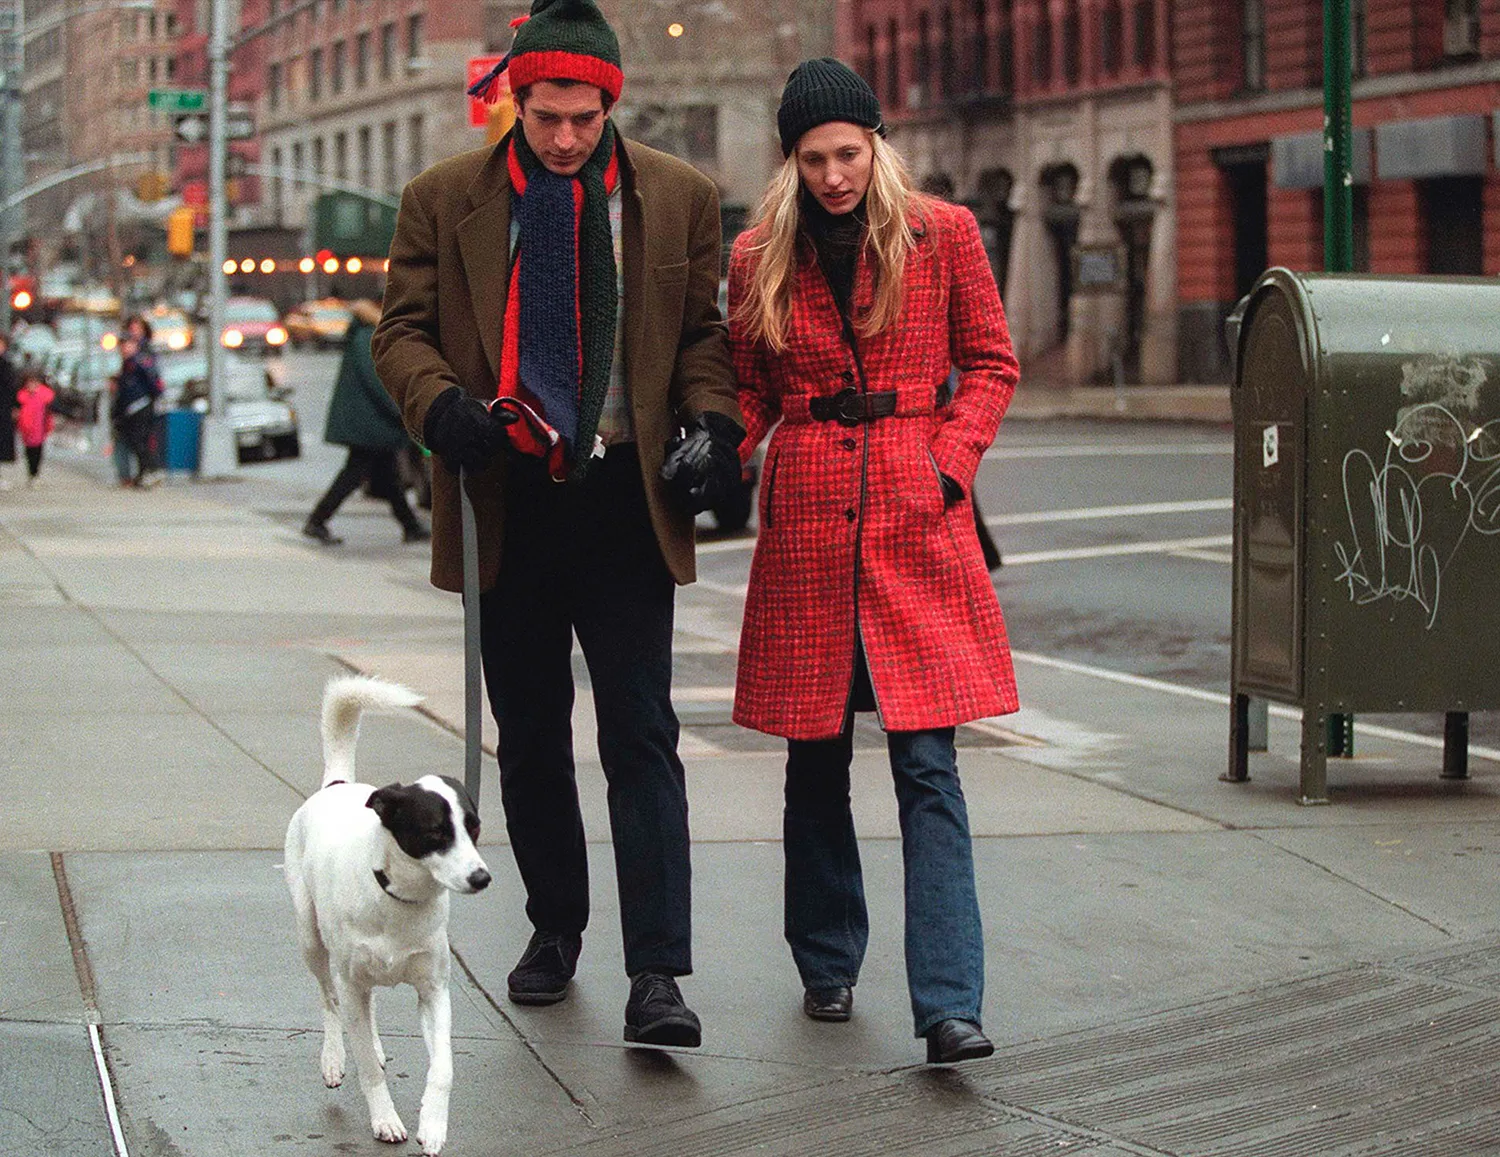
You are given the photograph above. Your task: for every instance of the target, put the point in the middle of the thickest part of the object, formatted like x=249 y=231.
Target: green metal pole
x=1338 y=211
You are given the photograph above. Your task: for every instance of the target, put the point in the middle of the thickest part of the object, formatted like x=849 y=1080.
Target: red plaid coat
x=854 y=536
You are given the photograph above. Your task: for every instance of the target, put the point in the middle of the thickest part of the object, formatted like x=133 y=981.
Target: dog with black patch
x=370 y=872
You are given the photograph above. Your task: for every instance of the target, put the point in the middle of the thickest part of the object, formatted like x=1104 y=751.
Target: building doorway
x=1061 y=213
x=1452 y=210
x=996 y=220
x=1134 y=214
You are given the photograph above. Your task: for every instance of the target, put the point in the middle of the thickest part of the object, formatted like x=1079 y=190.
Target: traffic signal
x=22 y=293
x=180 y=231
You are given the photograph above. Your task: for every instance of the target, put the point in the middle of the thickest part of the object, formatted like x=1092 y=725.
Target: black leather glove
x=953 y=490
x=703 y=466
x=463 y=432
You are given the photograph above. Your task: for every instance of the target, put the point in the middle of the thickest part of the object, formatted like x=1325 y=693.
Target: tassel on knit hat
x=820 y=91
x=559 y=40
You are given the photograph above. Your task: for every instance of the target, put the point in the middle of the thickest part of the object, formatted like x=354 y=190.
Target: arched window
x=1253 y=45
x=1145 y=35
x=1111 y=32
x=892 y=63
x=945 y=84
x=1005 y=49
x=979 y=58
x=1041 y=55
x=871 y=59
x=1072 y=46
x=921 y=63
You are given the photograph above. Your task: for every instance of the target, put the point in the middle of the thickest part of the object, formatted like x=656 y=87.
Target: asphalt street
x=1175 y=965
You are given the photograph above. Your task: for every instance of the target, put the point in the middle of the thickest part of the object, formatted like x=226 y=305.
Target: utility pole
x=219 y=455
x=1338 y=211
x=12 y=13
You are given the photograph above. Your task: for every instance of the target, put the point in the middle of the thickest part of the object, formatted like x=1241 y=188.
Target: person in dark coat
x=850 y=301
x=133 y=410
x=9 y=384
x=362 y=416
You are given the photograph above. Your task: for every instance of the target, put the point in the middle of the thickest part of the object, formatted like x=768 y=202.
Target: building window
x=945 y=63
x=690 y=132
x=297 y=163
x=921 y=64
x=273 y=85
x=315 y=74
x=414 y=150
x=1111 y=33
x=318 y=157
x=277 y=187
x=1358 y=61
x=1071 y=48
x=387 y=51
x=979 y=55
x=1005 y=49
x=1461 y=29
x=414 y=38
x=892 y=63
x=1253 y=45
x=1145 y=35
x=362 y=60
x=336 y=67
x=366 y=161
x=341 y=155
x=871 y=57
x=388 y=155
x=1041 y=57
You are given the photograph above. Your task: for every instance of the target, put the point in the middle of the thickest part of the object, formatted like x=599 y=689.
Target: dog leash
x=471 y=638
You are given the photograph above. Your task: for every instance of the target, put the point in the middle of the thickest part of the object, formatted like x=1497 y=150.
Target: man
x=593 y=356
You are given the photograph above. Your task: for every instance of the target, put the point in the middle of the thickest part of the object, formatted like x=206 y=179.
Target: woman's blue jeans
x=827 y=924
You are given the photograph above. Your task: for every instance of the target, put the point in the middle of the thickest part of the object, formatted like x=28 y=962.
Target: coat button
x=849 y=444
x=849 y=515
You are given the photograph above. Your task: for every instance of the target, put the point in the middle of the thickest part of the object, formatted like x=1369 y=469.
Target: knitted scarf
x=560 y=313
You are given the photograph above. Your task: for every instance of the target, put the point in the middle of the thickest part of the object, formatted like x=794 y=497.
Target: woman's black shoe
x=319 y=530
x=834 y=1003
x=956 y=1040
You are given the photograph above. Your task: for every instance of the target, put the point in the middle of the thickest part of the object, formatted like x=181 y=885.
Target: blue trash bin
x=183 y=435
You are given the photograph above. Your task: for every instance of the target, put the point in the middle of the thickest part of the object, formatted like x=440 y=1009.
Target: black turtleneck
x=837 y=238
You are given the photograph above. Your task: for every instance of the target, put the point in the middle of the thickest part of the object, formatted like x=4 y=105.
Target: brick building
x=1053 y=120
x=1249 y=118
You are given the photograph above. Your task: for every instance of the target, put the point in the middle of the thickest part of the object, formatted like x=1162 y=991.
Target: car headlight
x=276 y=336
x=233 y=338
x=177 y=341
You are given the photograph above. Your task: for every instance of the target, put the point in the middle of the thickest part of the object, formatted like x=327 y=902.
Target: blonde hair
x=766 y=306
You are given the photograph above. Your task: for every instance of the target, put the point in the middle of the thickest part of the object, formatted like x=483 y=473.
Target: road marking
x=1081 y=513
x=1122 y=450
x=1117 y=549
x=1076 y=514
x=1280 y=710
x=111 y=1110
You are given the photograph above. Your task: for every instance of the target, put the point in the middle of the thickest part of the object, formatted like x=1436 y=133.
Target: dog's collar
x=385 y=886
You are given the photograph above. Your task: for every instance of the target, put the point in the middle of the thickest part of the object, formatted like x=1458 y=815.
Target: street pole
x=12 y=13
x=1338 y=211
x=218 y=458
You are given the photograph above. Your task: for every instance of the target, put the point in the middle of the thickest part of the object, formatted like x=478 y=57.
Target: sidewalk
x=1175 y=965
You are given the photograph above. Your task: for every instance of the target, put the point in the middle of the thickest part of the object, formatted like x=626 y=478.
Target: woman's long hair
x=767 y=304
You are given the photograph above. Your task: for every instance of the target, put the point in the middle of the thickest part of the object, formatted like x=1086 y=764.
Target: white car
x=255 y=402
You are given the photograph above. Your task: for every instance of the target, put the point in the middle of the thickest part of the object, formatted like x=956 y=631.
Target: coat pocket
x=674 y=274
x=937 y=480
x=768 y=490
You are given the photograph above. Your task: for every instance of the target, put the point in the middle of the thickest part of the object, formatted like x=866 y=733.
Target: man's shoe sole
x=538 y=998
x=670 y=1030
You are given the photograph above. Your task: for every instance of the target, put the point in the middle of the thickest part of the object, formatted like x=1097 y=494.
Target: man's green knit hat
x=561 y=40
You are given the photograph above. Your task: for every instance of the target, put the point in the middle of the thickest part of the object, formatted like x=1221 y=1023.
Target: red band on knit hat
x=533 y=67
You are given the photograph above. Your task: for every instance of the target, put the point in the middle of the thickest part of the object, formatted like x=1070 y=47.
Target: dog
x=370 y=870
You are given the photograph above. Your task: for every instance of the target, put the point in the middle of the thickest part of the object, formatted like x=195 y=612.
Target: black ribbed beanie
x=820 y=91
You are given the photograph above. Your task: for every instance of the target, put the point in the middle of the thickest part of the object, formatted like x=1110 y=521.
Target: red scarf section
x=532 y=434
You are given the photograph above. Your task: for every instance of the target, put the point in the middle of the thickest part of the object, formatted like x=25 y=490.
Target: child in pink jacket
x=34 y=421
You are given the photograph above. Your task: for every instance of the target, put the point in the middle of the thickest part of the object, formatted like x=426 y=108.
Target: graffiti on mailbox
x=1414 y=503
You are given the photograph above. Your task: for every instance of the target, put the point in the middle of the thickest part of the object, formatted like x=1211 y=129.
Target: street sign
x=192 y=128
x=478 y=66
x=178 y=99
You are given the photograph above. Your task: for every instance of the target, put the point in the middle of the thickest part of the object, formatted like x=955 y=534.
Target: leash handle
x=472 y=695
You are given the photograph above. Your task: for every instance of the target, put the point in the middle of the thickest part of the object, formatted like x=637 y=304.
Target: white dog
x=370 y=871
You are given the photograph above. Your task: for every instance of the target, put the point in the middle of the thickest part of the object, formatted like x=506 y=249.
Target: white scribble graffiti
x=1437 y=482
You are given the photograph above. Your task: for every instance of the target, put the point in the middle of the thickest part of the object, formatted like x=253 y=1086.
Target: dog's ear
x=386 y=800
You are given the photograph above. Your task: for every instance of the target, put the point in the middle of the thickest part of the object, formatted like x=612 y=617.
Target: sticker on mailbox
x=1270 y=447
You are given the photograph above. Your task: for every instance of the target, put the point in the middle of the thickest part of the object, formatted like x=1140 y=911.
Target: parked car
x=253 y=325
x=318 y=323
x=171 y=329
x=256 y=402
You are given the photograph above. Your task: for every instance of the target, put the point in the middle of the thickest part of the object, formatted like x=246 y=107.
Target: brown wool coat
x=443 y=316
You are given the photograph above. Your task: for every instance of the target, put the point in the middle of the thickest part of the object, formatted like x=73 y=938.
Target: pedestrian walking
x=527 y=265
x=9 y=383
x=34 y=421
x=133 y=407
x=850 y=300
x=362 y=416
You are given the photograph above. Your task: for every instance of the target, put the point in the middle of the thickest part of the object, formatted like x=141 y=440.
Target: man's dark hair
x=523 y=94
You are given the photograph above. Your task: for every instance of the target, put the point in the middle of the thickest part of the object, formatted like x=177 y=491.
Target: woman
x=133 y=409
x=362 y=416
x=850 y=300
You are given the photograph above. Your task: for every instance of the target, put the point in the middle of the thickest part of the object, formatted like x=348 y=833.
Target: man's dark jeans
x=582 y=557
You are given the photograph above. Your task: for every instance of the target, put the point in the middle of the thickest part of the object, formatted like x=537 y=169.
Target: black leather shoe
x=834 y=1003
x=545 y=968
x=956 y=1040
x=320 y=531
x=656 y=1014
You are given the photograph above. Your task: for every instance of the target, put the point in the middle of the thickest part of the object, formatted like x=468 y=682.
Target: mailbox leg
x=1239 y=740
x=1314 y=784
x=1456 y=745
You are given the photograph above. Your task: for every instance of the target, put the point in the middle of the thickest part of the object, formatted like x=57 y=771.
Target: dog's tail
x=344 y=700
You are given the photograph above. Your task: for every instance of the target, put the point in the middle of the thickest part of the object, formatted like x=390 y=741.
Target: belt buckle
x=848 y=408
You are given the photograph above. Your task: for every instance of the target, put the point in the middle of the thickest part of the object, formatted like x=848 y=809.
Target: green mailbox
x=1366 y=505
